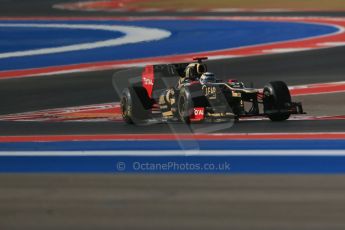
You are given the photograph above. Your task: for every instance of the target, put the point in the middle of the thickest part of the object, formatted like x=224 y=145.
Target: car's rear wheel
x=135 y=105
x=277 y=100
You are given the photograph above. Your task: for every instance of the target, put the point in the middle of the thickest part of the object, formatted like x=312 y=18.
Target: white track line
x=286 y=50
x=331 y=44
x=132 y=35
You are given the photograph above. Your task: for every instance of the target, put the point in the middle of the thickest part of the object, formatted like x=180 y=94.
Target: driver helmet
x=207 y=78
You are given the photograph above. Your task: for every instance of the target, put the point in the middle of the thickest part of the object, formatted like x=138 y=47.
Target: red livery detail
x=148 y=76
x=194 y=83
x=198 y=114
x=232 y=81
x=199 y=59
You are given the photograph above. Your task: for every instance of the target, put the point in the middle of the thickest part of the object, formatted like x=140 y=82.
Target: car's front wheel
x=184 y=106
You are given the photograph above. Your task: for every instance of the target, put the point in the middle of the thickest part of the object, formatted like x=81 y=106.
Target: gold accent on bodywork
x=210 y=91
x=220 y=114
x=236 y=94
x=167 y=114
x=161 y=100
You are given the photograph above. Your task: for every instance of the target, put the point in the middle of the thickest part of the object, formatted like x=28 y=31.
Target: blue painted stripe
x=188 y=36
x=175 y=164
x=25 y=38
x=189 y=164
x=176 y=145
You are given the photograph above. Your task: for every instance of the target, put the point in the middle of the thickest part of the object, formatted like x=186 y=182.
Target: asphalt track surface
x=37 y=93
x=170 y=201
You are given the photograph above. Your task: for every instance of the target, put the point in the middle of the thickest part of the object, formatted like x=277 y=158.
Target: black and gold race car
x=187 y=92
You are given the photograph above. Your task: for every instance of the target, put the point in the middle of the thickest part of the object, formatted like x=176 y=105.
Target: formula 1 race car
x=187 y=92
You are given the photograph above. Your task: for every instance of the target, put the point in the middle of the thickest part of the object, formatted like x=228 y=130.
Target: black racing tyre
x=277 y=100
x=135 y=105
x=184 y=105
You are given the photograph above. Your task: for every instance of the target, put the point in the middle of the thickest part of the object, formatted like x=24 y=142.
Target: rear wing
x=154 y=78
